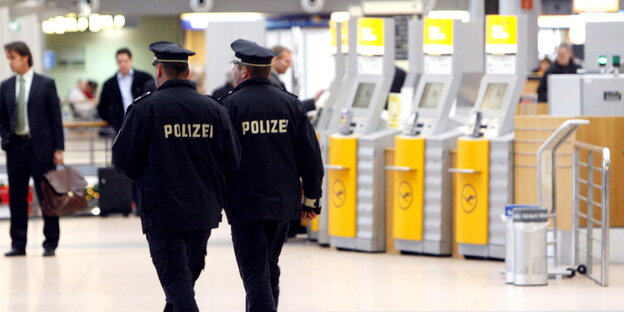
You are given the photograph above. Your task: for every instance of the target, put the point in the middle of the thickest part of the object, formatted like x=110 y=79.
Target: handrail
x=85 y=124
x=591 y=147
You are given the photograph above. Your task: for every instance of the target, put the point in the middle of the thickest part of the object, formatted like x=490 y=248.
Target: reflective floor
x=103 y=265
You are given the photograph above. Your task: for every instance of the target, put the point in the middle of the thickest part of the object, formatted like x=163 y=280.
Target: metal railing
x=591 y=227
x=84 y=145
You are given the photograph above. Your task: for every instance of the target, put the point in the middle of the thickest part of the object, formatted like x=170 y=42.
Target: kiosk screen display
x=363 y=95
x=431 y=95
x=494 y=95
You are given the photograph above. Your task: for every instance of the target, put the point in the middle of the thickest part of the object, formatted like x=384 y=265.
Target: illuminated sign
x=438 y=38
x=370 y=36
x=501 y=34
x=581 y=6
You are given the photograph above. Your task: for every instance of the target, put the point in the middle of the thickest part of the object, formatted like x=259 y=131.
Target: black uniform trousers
x=21 y=165
x=179 y=258
x=257 y=246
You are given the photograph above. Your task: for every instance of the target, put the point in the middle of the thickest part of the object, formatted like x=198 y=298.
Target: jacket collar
x=252 y=82
x=177 y=83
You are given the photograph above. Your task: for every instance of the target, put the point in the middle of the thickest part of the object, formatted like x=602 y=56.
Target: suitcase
x=115 y=192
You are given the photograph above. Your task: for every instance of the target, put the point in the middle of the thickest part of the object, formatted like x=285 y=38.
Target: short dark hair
x=174 y=69
x=257 y=71
x=20 y=48
x=124 y=51
x=278 y=49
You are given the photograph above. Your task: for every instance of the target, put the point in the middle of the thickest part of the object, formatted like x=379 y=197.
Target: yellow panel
x=472 y=191
x=370 y=36
x=501 y=34
x=342 y=186
x=394 y=110
x=409 y=188
x=438 y=36
x=314 y=225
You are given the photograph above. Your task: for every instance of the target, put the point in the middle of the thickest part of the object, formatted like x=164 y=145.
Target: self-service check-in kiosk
x=356 y=194
x=485 y=155
x=329 y=120
x=422 y=184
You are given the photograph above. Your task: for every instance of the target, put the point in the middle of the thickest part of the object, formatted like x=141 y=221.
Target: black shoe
x=49 y=252
x=15 y=252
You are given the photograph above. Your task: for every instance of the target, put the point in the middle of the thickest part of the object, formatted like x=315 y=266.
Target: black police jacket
x=180 y=147
x=279 y=154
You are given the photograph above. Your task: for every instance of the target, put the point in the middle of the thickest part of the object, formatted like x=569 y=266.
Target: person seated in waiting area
x=543 y=66
x=564 y=64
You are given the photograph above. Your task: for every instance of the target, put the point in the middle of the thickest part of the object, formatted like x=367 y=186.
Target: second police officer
x=280 y=156
x=180 y=148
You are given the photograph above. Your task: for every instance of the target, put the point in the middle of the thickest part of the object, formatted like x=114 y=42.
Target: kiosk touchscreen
x=485 y=155
x=422 y=209
x=355 y=187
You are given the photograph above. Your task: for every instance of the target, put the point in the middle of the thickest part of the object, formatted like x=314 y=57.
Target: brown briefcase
x=63 y=192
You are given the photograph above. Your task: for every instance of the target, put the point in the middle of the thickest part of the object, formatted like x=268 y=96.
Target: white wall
x=29 y=32
x=219 y=35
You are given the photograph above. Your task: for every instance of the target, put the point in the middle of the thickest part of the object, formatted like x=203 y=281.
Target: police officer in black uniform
x=180 y=147
x=280 y=156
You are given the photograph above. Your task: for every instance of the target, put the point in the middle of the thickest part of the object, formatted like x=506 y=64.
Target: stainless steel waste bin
x=530 y=255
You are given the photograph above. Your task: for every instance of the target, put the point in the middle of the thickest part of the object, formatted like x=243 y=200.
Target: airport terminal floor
x=103 y=264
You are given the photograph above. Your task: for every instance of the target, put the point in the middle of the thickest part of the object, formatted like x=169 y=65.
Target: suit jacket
x=44 y=117
x=308 y=105
x=111 y=106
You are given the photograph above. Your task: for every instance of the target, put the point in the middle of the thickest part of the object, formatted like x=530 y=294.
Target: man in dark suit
x=120 y=90
x=280 y=63
x=32 y=136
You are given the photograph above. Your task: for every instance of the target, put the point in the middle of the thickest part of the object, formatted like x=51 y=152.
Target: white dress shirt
x=28 y=78
x=125 y=86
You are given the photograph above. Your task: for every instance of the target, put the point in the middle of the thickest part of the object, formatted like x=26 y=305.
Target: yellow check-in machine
x=356 y=194
x=485 y=154
x=328 y=121
x=422 y=183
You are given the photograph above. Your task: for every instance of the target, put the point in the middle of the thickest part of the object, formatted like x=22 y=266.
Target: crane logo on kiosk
x=470 y=198
x=485 y=153
x=405 y=195
x=357 y=219
x=339 y=193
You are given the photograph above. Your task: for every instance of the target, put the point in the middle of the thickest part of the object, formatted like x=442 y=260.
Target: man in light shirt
x=121 y=89
x=32 y=136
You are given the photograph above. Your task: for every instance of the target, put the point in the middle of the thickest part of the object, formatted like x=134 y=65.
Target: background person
x=280 y=63
x=119 y=91
x=31 y=128
x=564 y=64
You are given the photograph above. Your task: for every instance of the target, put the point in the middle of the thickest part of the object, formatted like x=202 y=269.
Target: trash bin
x=530 y=255
x=507 y=218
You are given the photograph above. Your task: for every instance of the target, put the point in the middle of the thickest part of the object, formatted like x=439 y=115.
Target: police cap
x=250 y=53
x=169 y=52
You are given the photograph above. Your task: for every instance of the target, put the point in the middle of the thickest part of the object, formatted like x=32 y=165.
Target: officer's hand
x=308 y=216
x=310 y=209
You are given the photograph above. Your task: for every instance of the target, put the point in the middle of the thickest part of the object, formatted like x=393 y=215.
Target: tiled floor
x=103 y=265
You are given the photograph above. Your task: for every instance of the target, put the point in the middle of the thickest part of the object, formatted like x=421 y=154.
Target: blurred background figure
x=82 y=101
x=543 y=65
x=564 y=64
x=280 y=65
x=226 y=88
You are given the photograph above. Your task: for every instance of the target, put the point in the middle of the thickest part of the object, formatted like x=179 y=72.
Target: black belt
x=22 y=136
